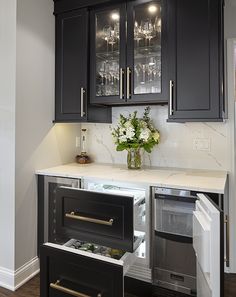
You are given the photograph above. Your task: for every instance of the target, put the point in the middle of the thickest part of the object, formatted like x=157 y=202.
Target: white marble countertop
x=195 y=180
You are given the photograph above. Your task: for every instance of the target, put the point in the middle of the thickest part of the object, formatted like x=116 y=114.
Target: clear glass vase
x=134 y=160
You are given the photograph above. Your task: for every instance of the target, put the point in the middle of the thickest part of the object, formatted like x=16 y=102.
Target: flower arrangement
x=133 y=133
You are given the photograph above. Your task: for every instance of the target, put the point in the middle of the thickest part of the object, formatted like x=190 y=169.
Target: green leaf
x=147 y=148
x=121 y=147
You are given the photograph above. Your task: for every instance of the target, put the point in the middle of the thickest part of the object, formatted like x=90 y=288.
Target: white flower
x=143 y=124
x=128 y=124
x=123 y=138
x=156 y=136
x=126 y=133
x=122 y=131
x=130 y=133
x=145 y=134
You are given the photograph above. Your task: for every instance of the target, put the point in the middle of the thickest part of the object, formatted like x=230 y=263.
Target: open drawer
x=66 y=271
x=102 y=218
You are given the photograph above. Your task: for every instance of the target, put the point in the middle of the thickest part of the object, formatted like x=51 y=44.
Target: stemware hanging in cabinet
x=128 y=59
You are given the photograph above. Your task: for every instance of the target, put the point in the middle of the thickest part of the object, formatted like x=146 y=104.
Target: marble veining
x=176 y=148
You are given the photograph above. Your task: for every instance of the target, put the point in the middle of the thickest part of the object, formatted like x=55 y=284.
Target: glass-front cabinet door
x=129 y=53
x=147 y=79
x=108 y=55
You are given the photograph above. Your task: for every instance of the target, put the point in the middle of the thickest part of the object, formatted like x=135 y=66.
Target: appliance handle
x=227 y=232
x=188 y=199
x=174 y=237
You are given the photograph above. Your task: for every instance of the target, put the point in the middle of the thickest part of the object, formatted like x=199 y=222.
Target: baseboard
x=12 y=280
x=7 y=278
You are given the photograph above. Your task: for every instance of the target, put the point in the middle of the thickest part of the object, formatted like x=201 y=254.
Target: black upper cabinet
x=129 y=53
x=71 y=65
x=140 y=52
x=196 y=63
x=71 y=70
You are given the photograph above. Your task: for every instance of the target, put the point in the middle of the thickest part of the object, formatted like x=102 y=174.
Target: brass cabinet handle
x=60 y=288
x=82 y=92
x=128 y=83
x=171 y=97
x=73 y=216
x=121 y=83
x=227 y=240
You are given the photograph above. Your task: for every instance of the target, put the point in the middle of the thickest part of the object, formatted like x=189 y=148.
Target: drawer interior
x=115 y=256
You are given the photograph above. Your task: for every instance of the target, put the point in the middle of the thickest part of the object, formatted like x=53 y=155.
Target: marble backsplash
x=176 y=148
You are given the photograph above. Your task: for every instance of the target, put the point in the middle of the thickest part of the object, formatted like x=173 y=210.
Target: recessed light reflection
x=115 y=16
x=152 y=8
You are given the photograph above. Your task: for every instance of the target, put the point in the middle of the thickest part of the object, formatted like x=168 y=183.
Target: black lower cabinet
x=63 y=273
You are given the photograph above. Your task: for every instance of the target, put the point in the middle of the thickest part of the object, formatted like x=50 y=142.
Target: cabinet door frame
x=215 y=112
x=106 y=100
x=156 y=97
x=60 y=115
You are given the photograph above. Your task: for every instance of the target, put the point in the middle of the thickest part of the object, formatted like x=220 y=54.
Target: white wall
x=7 y=135
x=39 y=144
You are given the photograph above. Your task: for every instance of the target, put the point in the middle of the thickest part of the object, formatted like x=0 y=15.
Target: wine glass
x=106 y=34
x=137 y=33
x=157 y=25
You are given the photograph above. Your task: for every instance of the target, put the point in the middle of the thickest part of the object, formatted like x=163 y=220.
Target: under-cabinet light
x=115 y=16
x=152 y=8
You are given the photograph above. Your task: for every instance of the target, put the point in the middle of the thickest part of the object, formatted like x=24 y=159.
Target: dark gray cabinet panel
x=72 y=70
x=71 y=64
x=197 y=60
x=100 y=218
x=80 y=274
x=67 y=5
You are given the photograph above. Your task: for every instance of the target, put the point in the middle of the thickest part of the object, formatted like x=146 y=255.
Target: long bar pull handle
x=82 y=92
x=58 y=287
x=128 y=83
x=73 y=216
x=227 y=239
x=171 y=97
x=121 y=83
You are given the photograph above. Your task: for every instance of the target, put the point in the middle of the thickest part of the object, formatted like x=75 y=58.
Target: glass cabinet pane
x=147 y=48
x=107 y=53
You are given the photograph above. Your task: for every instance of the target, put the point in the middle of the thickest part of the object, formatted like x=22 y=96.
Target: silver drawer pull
x=60 y=288
x=82 y=92
x=171 y=97
x=128 y=83
x=73 y=216
x=121 y=83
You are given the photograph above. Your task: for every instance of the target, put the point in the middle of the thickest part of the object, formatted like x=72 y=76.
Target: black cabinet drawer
x=68 y=272
x=101 y=218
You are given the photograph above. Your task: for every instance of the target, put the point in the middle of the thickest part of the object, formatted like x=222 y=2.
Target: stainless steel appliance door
x=174 y=265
